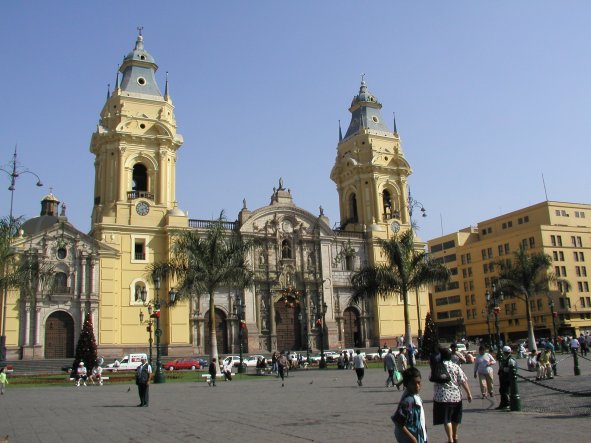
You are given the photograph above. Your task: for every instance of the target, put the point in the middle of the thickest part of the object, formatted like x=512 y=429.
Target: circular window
x=62 y=253
x=143 y=126
x=142 y=57
x=141 y=81
x=375 y=119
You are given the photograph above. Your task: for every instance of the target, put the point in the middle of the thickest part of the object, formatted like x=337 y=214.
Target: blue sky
x=487 y=96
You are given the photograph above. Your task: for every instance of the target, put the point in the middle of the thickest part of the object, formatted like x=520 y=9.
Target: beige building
x=560 y=230
x=303 y=268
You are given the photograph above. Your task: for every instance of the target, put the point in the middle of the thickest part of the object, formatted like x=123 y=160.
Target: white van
x=127 y=363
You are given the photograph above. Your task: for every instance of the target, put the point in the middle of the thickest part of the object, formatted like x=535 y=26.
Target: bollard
x=576 y=360
x=515 y=398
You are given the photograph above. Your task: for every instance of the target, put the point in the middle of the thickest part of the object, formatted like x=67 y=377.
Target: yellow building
x=560 y=230
x=302 y=273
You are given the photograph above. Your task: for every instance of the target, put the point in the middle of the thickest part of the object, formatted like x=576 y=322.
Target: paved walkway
x=314 y=406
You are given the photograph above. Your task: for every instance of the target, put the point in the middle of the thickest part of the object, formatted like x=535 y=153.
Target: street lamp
x=487 y=312
x=301 y=318
x=14 y=172
x=554 y=316
x=492 y=301
x=159 y=377
x=149 y=324
x=321 y=314
x=241 y=326
x=412 y=205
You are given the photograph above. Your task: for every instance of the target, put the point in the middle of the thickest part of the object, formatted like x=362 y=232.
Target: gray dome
x=139 y=53
x=38 y=224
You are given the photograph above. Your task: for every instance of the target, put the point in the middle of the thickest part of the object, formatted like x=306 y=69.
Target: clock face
x=142 y=208
x=395 y=226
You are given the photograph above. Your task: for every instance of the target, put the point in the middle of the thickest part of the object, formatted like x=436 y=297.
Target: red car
x=182 y=363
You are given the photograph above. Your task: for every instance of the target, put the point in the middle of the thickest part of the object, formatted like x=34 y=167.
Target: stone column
x=273 y=327
x=27 y=325
x=37 y=314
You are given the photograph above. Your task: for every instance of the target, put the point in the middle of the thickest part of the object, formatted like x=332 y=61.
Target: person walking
x=282 y=364
x=213 y=371
x=401 y=362
x=390 y=367
x=359 y=365
x=409 y=419
x=3 y=380
x=274 y=363
x=505 y=373
x=447 y=397
x=143 y=376
x=483 y=370
x=227 y=369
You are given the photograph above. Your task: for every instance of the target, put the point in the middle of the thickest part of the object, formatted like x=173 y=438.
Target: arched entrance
x=59 y=336
x=221 y=332
x=352 y=328
x=287 y=327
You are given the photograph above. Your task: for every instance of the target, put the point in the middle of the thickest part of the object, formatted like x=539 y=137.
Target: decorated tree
x=86 y=347
x=430 y=337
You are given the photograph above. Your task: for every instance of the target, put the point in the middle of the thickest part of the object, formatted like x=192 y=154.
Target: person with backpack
x=390 y=367
x=143 y=375
x=447 y=398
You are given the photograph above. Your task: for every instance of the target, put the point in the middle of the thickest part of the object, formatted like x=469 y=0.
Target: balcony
x=207 y=224
x=132 y=195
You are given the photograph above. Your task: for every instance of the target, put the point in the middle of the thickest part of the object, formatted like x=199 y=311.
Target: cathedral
x=301 y=294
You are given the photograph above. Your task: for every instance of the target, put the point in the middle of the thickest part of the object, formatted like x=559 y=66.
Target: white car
x=235 y=359
x=251 y=362
x=128 y=363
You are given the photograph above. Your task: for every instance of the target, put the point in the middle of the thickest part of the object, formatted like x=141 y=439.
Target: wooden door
x=352 y=328
x=59 y=336
x=221 y=332
x=287 y=327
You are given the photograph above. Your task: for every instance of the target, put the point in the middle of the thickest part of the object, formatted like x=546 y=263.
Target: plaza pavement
x=314 y=406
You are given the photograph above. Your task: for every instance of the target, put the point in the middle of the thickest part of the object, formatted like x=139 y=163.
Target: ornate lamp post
x=240 y=314
x=487 y=312
x=492 y=301
x=554 y=316
x=301 y=318
x=321 y=314
x=14 y=172
x=159 y=373
x=412 y=205
x=149 y=323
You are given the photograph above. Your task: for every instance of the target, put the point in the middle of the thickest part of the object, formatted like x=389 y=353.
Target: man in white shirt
x=574 y=345
x=359 y=364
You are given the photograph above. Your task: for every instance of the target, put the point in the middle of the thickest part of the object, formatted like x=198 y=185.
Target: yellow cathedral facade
x=302 y=271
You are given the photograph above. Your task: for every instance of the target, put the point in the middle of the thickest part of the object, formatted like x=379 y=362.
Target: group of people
x=81 y=375
x=449 y=380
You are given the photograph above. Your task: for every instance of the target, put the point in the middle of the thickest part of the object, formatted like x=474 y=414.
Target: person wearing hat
x=505 y=373
x=143 y=376
x=81 y=374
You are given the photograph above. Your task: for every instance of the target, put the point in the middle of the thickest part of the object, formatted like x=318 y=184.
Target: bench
x=100 y=384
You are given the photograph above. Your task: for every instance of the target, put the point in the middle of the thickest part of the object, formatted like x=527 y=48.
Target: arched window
x=353 y=208
x=387 y=203
x=139 y=178
x=61 y=282
x=285 y=249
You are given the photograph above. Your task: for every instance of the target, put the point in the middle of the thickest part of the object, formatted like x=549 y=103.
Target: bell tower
x=370 y=171
x=135 y=210
x=135 y=146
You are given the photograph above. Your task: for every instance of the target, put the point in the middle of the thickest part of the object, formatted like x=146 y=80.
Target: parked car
x=127 y=363
x=235 y=359
x=202 y=361
x=182 y=363
x=251 y=361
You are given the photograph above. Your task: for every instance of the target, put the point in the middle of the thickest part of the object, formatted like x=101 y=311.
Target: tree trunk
x=407 y=330
x=213 y=340
x=531 y=339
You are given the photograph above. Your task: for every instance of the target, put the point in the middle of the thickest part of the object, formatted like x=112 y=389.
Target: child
x=409 y=418
x=3 y=380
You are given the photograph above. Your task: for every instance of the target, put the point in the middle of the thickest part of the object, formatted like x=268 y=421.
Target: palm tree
x=406 y=269
x=18 y=270
x=524 y=277
x=203 y=263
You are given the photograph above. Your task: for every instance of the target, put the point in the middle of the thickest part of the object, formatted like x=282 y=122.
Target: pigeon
x=129 y=389
x=312 y=382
